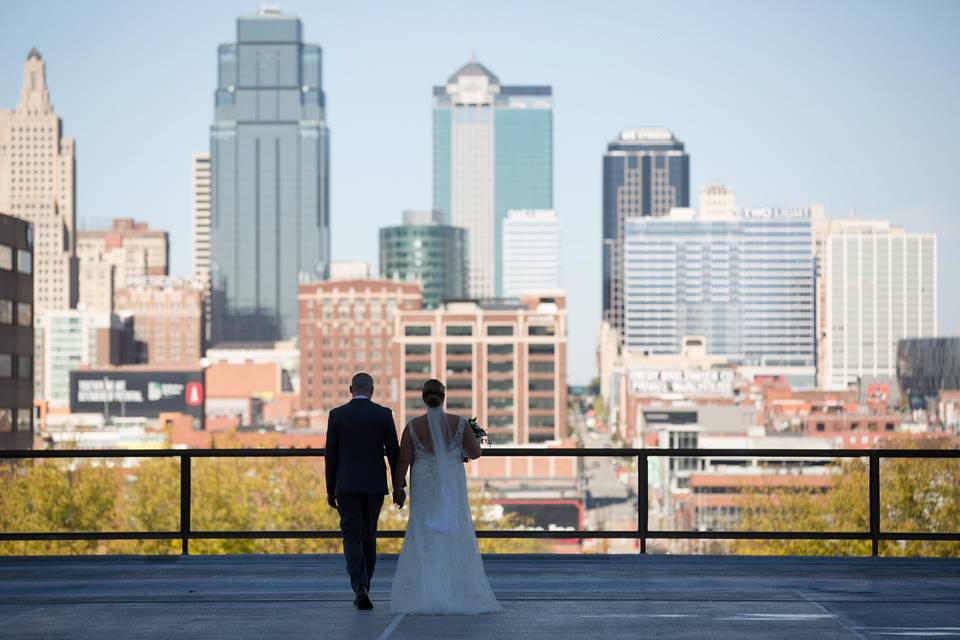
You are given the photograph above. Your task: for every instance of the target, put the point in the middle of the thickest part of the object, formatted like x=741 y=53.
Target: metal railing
x=643 y=532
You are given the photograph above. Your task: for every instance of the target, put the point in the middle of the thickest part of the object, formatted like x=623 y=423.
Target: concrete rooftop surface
x=307 y=596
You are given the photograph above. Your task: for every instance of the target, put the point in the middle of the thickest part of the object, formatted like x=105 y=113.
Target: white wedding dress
x=440 y=570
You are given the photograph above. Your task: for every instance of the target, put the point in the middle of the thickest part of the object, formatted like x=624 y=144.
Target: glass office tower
x=427 y=251
x=492 y=152
x=646 y=172
x=744 y=282
x=269 y=149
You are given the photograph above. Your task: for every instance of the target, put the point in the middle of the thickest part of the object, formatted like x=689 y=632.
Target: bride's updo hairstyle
x=433 y=393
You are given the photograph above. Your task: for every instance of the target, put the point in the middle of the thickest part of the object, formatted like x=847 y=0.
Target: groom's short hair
x=362 y=382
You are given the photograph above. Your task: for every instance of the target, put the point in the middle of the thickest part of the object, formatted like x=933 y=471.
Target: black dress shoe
x=362 y=601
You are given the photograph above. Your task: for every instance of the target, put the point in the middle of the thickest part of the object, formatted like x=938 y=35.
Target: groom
x=359 y=433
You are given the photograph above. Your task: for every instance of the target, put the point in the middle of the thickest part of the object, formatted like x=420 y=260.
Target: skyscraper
x=531 y=251
x=37 y=185
x=200 y=173
x=744 y=283
x=646 y=172
x=881 y=287
x=492 y=152
x=270 y=174
x=427 y=251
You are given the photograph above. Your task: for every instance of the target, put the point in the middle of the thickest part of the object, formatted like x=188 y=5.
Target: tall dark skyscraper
x=646 y=172
x=270 y=171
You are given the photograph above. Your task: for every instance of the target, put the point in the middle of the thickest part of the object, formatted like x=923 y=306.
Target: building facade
x=74 y=339
x=37 y=184
x=111 y=258
x=16 y=333
x=200 y=173
x=745 y=284
x=270 y=175
x=646 y=172
x=426 y=251
x=531 y=251
x=348 y=326
x=167 y=316
x=492 y=152
x=502 y=361
x=881 y=287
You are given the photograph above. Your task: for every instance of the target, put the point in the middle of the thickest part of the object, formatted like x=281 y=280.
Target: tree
x=916 y=495
x=227 y=494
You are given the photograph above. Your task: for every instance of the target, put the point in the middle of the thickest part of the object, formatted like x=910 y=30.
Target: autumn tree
x=916 y=495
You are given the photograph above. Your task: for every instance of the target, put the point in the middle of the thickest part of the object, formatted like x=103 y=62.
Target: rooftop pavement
x=543 y=596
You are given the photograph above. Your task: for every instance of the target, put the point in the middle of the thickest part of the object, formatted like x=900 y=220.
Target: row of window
x=492 y=330
x=23 y=263
x=24 y=313
x=15 y=420
x=16 y=366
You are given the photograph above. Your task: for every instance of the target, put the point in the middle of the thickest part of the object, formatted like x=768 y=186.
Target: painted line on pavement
x=391 y=627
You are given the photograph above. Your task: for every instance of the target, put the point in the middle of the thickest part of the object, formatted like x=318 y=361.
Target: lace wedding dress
x=440 y=570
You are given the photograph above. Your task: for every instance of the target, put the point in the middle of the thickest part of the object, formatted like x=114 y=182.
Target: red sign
x=878 y=393
x=194 y=394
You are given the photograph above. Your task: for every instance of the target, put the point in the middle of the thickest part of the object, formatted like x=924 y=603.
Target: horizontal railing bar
x=494 y=452
x=517 y=534
x=91 y=535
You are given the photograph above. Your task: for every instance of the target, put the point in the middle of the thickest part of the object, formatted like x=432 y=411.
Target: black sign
x=144 y=394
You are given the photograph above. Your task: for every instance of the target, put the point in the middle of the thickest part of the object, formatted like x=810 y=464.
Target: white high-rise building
x=200 y=165
x=200 y=171
x=37 y=184
x=492 y=152
x=881 y=287
x=531 y=251
x=744 y=285
x=717 y=201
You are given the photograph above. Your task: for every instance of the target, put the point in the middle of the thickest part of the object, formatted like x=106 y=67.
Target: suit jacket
x=359 y=434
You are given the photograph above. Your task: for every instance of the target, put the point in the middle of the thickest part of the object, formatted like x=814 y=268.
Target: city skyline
x=763 y=131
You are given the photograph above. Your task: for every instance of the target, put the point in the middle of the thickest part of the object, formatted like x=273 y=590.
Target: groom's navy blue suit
x=359 y=434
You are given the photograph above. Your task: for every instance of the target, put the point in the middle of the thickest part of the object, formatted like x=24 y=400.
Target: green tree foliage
x=228 y=494
x=916 y=495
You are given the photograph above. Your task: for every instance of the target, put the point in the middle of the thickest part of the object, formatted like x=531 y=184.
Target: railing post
x=875 y=504
x=642 y=506
x=185 y=484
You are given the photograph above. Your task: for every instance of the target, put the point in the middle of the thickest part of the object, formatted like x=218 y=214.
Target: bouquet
x=478 y=432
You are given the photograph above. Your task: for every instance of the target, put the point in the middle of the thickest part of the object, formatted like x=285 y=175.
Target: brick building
x=167 y=320
x=503 y=361
x=348 y=326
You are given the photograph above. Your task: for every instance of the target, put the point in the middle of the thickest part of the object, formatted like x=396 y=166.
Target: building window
x=541 y=350
x=23 y=419
x=6 y=257
x=541 y=403
x=500 y=350
x=459 y=349
x=821 y=426
x=24 y=264
x=6 y=420
x=24 y=368
x=417 y=349
x=500 y=330
x=541 y=367
x=889 y=426
x=6 y=311
x=542 y=330
x=24 y=314
x=6 y=365
x=540 y=385
x=417 y=330
x=459 y=330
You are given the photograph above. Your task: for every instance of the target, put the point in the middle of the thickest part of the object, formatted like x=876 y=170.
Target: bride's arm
x=404 y=461
x=470 y=445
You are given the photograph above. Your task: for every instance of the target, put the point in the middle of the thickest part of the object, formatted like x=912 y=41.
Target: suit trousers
x=359 y=513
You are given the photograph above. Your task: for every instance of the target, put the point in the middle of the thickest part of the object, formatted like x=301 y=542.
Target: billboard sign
x=144 y=394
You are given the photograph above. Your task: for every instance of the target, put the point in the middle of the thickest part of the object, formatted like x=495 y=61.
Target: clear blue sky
x=855 y=105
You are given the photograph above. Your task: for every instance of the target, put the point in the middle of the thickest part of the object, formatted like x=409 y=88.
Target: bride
x=439 y=570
